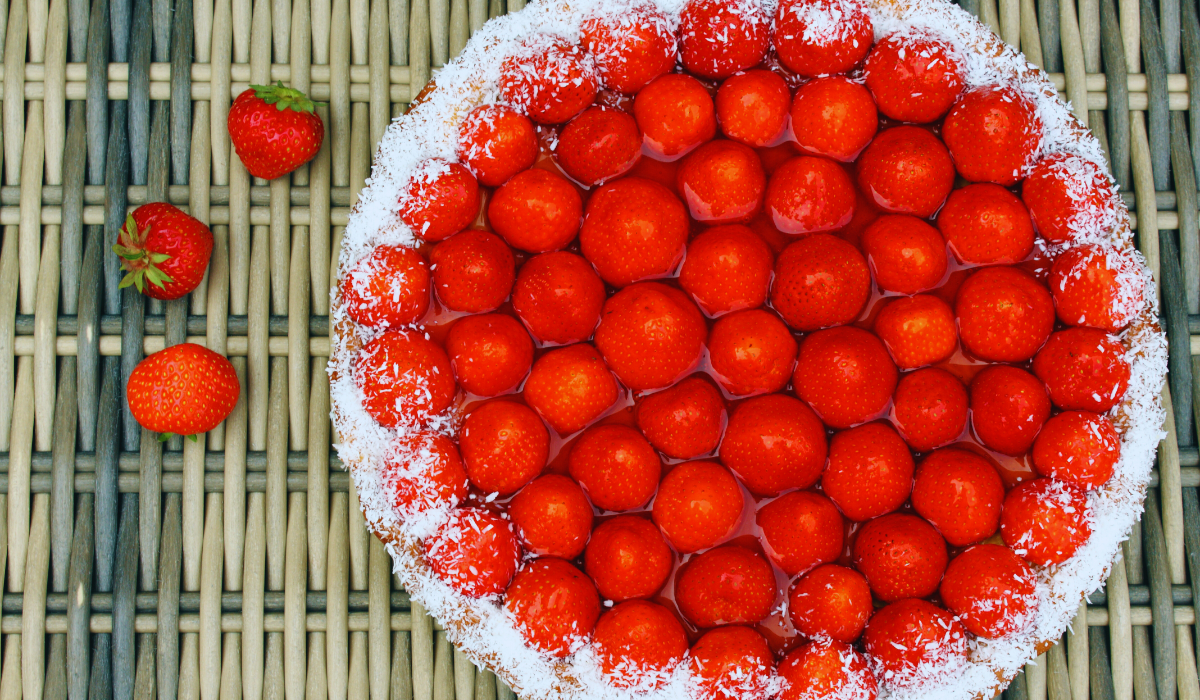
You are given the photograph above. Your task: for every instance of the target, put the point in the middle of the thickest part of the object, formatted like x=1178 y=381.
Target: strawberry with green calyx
x=163 y=250
x=185 y=389
x=274 y=129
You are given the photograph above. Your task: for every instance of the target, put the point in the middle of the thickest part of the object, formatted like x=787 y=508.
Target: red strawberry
x=1045 y=520
x=554 y=605
x=559 y=297
x=821 y=37
x=913 y=78
x=809 y=194
x=684 y=421
x=752 y=107
x=985 y=224
x=164 y=251
x=752 y=352
x=504 y=446
x=870 y=471
x=901 y=555
x=820 y=281
x=1008 y=408
x=634 y=229
x=389 y=287
x=830 y=670
x=774 y=443
x=846 y=375
x=1097 y=286
x=911 y=642
x=552 y=516
x=185 y=389
x=628 y=558
x=274 y=129
x=1004 y=314
x=833 y=117
x=638 y=644
x=730 y=663
x=650 y=335
x=616 y=466
x=549 y=79
x=675 y=114
x=570 y=387
x=725 y=586
x=424 y=470
x=906 y=170
x=830 y=602
x=630 y=47
x=960 y=494
x=472 y=271
x=496 y=142
x=930 y=408
x=600 y=144
x=490 y=353
x=1077 y=446
x=441 y=199
x=474 y=552
x=906 y=254
x=727 y=268
x=992 y=591
x=993 y=133
x=699 y=504
x=800 y=530
x=917 y=330
x=722 y=182
x=404 y=377
x=718 y=39
x=536 y=211
x=1084 y=369
x=1068 y=196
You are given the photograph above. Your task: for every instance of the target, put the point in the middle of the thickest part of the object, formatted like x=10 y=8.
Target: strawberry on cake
x=738 y=349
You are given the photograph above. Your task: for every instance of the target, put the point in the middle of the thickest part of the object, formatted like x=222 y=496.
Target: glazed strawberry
x=684 y=421
x=548 y=79
x=472 y=271
x=822 y=37
x=1097 y=286
x=496 y=142
x=1008 y=408
x=991 y=590
x=830 y=602
x=554 y=606
x=570 y=387
x=960 y=494
x=274 y=129
x=388 y=288
x=634 y=229
x=1045 y=520
x=993 y=134
x=630 y=47
x=552 y=516
x=490 y=354
x=628 y=558
x=650 y=335
x=901 y=555
x=558 y=296
x=404 y=377
x=820 y=281
x=441 y=199
x=474 y=552
x=699 y=504
x=906 y=254
x=185 y=389
x=504 y=446
x=1084 y=369
x=723 y=586
x=808 y=194
x=638 y=644
x=165 y=252
x=774 y=443
x=800 y=530
x=536 y=211
x=918 y=330
x=930 y=408
x=914 y=78
x=718 y=39
x=722 y=182
x=434 y=478
x=1004 y=314
x=833 y=117
x=601 y=144
x=751 y=352
x=1077 y=446
x=675 y=114
x=912 y=641
x=845 y=374
x=752 y=107
x=727 y=268
x=870 y=471
x=617 y=468
x=985 y=224
x=729 y=663
x=829 y=670
x=906 y=170
x=1068 y=196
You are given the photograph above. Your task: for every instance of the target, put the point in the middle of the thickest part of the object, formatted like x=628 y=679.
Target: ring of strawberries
x=792 y=366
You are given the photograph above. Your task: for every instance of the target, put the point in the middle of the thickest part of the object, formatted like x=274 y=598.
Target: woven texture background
x=240 y=566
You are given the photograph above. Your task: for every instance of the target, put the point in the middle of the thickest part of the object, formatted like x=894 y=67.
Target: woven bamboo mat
x=239 y=566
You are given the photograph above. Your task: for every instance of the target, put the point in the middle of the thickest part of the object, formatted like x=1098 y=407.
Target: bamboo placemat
x=262 y=581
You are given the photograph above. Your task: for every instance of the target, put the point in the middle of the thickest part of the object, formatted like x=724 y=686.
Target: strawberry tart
x=724 y=349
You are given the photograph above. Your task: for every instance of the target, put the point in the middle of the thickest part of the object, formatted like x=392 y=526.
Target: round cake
x=726 y=349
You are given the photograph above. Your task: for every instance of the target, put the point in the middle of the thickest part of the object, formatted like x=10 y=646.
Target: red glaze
x=774 y=443
x=727 y=268
x=960 y=494
x=930 y=408
x=917 y=331
x=845 y=375
x=699 y=505
x=490 y=354
x=474 y=552
x=504 y=446
x=404 y=377
x=650 y=335
x=870 y=471
x=628 y=558
x=684 y=421
x=901 y=556
x=552 y=516
x=570 y=387
x=617 y=468
x=1004 y=314
x=820 y=281
x=800 y=530
x=834 y=117
x=808 y=195
x=472 y=271
x=440 y=200
x=906 y=170
x=723 y=586
x=634 y=229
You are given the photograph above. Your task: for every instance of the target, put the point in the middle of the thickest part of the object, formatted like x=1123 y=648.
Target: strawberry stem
x=284 y=97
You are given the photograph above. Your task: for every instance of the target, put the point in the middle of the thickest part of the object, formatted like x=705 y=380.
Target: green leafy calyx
x=141 y=265
x=283 y=97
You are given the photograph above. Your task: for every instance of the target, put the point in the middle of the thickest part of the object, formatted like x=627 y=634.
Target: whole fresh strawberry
x=164 y=250
x=274 y=129
x=185 y=389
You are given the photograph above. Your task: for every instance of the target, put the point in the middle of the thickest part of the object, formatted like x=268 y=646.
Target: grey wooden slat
x=79 y=599
x=1191 y=545
x=124 y=590
x=161 y=20
x=1168 y=11
x=139 y=92
x=87 y=348
x=1117 y=86
x=145 y=678
x=1140 y=595
x=116 y=182
x=1160 y=599
x=971 y=6
x=231 y=601
x=1179 y=363
x=106 y=477
x=1100 y=680
x=72 y=209
x=54 y=683
x=134 y=307
x=170 y=563
x=62 y=495
x=1157 y=114
x=100 y=683
x=155 y=324
x=181 y=92
x=1190 y=21
x=97 y=91
x=1016 y=689
x=1047 y=17
x=150 y=498
x=1189 y=226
